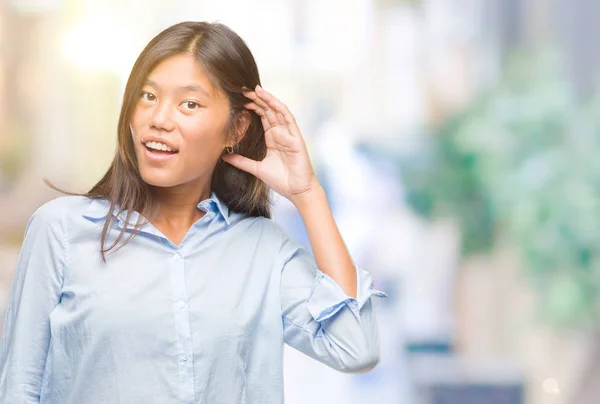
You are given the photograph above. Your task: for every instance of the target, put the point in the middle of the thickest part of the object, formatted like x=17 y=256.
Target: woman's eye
x=148 y=96
x=190 y=104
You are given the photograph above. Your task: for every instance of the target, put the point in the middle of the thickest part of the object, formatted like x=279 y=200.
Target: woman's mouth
x=159 y=155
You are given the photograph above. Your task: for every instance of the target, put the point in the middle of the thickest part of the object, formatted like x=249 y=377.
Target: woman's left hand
x=286 y=168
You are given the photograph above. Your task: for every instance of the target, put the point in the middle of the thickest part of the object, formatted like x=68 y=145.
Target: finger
x=260 y=112
x=265 y=107
x=281 y=118
x=277 y=105
x=241 y=162
x=266 y=124
x=255 y=98
x=281 y=136
x=254 y=107
x=269 y=112
x=282 y=110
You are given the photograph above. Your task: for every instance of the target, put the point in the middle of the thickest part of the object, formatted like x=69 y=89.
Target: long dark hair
x=231 y=66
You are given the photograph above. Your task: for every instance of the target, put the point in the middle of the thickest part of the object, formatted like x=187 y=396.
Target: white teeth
x=158 y=146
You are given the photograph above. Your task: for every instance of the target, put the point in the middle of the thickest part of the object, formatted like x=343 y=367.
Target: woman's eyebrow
x=186 y=88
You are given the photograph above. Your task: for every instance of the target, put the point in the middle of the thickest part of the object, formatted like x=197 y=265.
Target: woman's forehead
x=183 y=73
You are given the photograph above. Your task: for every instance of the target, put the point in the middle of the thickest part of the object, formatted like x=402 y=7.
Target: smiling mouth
x=159 y=152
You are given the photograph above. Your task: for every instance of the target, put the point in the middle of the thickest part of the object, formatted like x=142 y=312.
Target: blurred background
x=456 y=140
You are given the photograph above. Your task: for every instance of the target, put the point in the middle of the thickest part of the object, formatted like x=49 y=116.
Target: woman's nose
x=162 y=118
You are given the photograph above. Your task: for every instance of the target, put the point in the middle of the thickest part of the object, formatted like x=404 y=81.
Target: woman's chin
x=159 y=181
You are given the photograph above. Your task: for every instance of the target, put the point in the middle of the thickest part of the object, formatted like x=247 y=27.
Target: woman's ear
x=242 y=122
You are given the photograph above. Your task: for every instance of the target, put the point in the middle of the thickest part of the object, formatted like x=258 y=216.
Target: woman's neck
x=178 y=210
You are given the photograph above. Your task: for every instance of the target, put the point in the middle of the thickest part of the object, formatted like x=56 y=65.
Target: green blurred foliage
x=521 y=164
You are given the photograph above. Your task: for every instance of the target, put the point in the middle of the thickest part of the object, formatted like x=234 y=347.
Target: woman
x=167 y=282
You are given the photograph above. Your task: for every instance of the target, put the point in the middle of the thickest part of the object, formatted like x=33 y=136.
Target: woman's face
x=178 y=124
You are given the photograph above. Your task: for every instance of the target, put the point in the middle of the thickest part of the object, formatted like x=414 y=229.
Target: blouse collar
x=98 y=209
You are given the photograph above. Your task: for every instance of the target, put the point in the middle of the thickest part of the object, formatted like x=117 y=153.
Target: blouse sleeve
x=320 y=320
x=34 y=293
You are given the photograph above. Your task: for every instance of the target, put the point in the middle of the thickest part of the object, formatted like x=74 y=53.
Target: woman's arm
x=320 y=319
x=329 y=249
x=35 y=292
x=325 y=305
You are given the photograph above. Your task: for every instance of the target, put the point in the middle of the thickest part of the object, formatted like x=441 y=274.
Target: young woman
x=168 y=282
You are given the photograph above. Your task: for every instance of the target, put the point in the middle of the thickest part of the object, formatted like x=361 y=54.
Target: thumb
x=241 y=162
